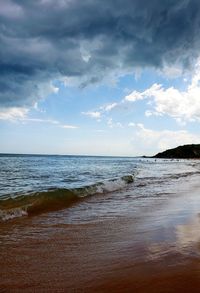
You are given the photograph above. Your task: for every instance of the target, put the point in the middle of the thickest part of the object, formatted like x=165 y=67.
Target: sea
x=99 y=224
x=34 y=184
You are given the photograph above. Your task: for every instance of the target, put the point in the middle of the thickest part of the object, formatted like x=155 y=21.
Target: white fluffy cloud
x=13 y=113
x=155 y=141
x=109 y=107
x=66 y=126
x=181 y=105
x=100 y=111
x=93 y=114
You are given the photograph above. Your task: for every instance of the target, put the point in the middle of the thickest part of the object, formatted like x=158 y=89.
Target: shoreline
x=153 y=250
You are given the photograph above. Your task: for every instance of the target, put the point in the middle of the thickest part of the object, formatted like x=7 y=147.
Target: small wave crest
x=55 y=199
x=12 y=213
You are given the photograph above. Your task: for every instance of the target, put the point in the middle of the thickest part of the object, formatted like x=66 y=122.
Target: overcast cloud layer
x=41 y=41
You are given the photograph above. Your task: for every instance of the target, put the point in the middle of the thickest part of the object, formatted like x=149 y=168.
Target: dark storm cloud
x=45 y=40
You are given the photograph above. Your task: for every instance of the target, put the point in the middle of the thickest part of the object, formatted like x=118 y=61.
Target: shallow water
x=142 y=237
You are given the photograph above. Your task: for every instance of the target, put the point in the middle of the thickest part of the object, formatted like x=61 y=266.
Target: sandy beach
x=153 y=249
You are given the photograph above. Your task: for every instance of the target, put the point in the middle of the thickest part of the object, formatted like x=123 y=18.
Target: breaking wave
x=55 y=199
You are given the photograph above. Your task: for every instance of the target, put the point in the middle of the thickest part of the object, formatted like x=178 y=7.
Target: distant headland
x=189 y=151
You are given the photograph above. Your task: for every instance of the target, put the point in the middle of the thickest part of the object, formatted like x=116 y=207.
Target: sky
x=99 y=77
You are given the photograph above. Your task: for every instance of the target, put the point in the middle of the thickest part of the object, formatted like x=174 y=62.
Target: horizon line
x=70 y=155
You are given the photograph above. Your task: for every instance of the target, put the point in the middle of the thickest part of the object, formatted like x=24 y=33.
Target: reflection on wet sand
x=150 y=247
x=188 y=235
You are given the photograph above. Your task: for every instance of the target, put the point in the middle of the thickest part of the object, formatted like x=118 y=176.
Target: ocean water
x=69 y=223
x=34 y=184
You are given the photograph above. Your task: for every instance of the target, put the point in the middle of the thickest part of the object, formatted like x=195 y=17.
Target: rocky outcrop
x=189 y=151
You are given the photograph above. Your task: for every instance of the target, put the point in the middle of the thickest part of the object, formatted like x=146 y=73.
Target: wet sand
x=155 y=249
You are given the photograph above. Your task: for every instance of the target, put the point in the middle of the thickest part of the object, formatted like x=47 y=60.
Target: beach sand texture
x=154 y=248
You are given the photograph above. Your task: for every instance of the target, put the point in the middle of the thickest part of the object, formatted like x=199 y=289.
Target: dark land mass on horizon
x=189 y=151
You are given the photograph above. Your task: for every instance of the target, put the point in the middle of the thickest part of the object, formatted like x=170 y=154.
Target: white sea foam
x=6 y=215
x=114 y=184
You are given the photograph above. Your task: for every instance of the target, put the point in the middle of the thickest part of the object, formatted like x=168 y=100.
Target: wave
x=55 y=199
